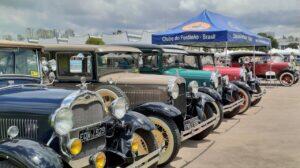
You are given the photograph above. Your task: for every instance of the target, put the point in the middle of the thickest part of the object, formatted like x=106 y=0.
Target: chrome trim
x=147 y=160
x=230 y=107
x=256 y=96
x=199 y=128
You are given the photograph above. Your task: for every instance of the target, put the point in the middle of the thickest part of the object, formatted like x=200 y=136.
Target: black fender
x=205 y=98
x=29 y=154
x=243 y=86
x=158 y=108
x=211 y=92
x=137 y=121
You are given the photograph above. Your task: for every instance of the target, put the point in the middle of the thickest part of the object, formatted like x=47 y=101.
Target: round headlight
x=118 y=108
x=173 y=90
x=63 y=121
x=214 y=79
x=99 y=160
x=226 y=80
x=193 y=87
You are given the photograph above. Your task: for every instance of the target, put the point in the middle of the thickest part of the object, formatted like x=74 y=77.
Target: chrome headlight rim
x=173 y=90
x=62 y=117
x=214 y=79
x=226 y=80
x=193 y=87
x=118 y=108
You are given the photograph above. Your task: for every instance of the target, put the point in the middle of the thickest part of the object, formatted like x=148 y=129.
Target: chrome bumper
x=198 y=128
x=230 y=107
x=257 y=96
x=147 y=161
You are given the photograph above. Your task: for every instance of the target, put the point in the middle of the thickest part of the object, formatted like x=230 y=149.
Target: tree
x=293 y=45
x=274 y=42
x=95 y=41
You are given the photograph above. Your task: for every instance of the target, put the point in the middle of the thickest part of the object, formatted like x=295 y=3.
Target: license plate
x=92 y=133
x=190 y=123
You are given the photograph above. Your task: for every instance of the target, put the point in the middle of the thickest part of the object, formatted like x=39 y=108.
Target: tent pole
x=254 y=61
x=226 y=48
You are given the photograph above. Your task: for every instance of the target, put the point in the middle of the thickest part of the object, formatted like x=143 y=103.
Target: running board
x=198 y=129
x=230 y=107
x=257 y=95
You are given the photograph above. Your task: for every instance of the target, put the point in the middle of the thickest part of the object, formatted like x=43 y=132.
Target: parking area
x=266 y=136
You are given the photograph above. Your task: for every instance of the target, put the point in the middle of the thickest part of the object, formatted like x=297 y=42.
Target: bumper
x=147 y=161
x=230 y=107
x=198 y=128
x=256 y=96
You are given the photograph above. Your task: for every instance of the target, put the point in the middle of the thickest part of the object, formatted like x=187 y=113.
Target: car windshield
x=19 y=62
x=172 y=60
x=277 y=58
x=117 y=62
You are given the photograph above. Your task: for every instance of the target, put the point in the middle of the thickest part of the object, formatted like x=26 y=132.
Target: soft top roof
x=15 y=44
x=85 y=47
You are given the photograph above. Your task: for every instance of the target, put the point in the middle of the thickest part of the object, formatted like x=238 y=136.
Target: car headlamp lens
x=135 y=145
x=63 y=121
x=118 y=108
x=214 y=79
x=173 y=90
x=75 y=146
x=193 y=87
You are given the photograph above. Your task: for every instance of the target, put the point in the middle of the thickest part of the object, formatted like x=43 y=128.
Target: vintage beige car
x=112 y=69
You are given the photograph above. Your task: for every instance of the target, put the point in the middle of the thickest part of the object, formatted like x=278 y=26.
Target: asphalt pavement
x=266 y=136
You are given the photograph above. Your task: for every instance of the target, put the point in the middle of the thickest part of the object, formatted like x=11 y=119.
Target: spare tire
x=109 y=93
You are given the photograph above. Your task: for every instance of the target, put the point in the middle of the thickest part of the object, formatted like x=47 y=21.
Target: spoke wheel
x=287 y=79
x=108 y=96
x=143 y=147
x=166 y=134
x=247 y=99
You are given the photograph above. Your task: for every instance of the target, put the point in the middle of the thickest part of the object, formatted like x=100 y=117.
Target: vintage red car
x=263 y=65
x=250 y=87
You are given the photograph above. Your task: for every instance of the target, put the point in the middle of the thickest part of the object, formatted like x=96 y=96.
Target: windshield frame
x=36 y=51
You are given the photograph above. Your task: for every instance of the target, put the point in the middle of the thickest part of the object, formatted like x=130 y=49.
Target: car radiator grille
x=181 y=102
x=86 y=114
x=27 y=127
x=137 y=97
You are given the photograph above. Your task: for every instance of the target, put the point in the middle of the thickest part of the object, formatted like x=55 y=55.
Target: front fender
x=243 y=86
x=137 y=121
x=158 y=108
x=30 y=154
x=211 y=92
x=205 y=98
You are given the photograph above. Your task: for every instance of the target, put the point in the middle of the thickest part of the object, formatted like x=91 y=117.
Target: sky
x=93 y=16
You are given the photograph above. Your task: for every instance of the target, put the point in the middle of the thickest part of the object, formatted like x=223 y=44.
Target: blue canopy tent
x=210 y=30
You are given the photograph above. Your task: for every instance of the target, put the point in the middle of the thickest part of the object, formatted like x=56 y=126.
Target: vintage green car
x=163 y=99
x=168 y=60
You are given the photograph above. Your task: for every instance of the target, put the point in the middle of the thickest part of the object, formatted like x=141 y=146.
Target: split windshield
x=19 y=62
x=207 y=60
x=117 y=62
x=172 y=60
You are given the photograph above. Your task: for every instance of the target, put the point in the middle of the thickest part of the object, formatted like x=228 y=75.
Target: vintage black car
x=50 y=127
x=162 y=98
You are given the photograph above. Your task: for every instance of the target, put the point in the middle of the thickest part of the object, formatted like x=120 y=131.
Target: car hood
x=137 y=78
x=31 y=99
x=232 y=72
x=189 y=74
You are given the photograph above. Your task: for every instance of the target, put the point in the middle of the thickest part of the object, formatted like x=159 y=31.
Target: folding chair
x=271 y=78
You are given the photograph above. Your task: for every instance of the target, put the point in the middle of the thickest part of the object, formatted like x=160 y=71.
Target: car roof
x=164 y=48
x=86 y=47
x=15 y=44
